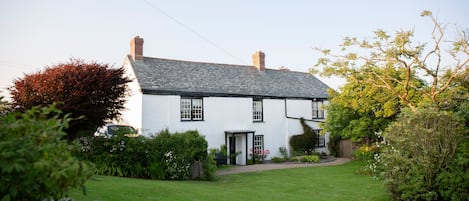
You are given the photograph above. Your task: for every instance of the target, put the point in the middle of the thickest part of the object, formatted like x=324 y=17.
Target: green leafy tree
x=91 y=90
x=426 y=157
x=360 y=111
x=417 y=74
x=35 y=161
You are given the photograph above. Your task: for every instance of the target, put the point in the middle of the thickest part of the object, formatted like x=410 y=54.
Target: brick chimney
x=258 y=60
x=136 y=48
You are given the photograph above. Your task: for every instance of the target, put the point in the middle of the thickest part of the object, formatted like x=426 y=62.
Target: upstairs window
x=257 y=113
x=192 y=109
x=318 y=112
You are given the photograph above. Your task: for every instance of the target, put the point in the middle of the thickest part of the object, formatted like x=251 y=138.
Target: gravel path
x=275 y=166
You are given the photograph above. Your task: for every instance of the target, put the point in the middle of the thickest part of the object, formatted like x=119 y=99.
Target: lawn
x=312 y=183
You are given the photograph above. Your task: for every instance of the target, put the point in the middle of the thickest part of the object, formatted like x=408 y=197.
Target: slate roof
x=166 y=76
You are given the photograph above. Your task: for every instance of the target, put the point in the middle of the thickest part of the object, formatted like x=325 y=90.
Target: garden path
x=275 y=166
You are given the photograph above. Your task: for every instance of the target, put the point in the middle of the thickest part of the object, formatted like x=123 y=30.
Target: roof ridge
x=200 y=62
x=226 y=64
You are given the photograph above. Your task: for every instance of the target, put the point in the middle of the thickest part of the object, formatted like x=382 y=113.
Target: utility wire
x=194 y=32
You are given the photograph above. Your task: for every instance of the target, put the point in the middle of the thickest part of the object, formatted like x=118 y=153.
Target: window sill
x=258 y=122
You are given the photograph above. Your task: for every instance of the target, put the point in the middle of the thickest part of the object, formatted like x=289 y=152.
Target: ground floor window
x=321 y=140
x=258 y=151
x=258 y=143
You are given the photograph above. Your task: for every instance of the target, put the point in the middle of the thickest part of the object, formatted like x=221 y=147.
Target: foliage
x=402 y=68
x=92 y=90
x=335 y=183
x=259 y=154
x=359 y=111
x=284 y=152
x=334 y=144
x=306 y=142
x=165 y=156
x=422 y=149
x=365 y=152
x=5 y=106
x=310 y=159
x=35 y=163
x=219 y=155
x=210 y=167
x=454 y=180
x=277 y=159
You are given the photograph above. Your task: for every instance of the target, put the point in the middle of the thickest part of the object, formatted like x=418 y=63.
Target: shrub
x=306 y=142
x=333 y=144
x=310 y=159
x=259 y=155
x=166 y=156
x=365 y=153
x=454 y=180
x=283 y=151
x=421 y=158
x=35 y=161
x=277 y=159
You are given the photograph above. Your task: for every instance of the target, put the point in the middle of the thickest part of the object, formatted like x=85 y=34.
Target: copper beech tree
x=91 y=92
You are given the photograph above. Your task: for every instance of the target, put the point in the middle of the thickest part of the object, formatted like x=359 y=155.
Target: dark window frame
x=261 y=112
x=320 y=138
x=191 y=108
x=317 y=111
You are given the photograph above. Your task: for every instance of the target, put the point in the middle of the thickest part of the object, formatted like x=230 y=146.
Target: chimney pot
x=258 y=60
x=136 y=48
x=283 y=68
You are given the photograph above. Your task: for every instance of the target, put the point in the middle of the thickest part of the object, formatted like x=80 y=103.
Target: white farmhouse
x=243 y=107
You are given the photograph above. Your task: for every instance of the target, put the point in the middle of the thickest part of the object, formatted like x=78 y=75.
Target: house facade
x=243 y=107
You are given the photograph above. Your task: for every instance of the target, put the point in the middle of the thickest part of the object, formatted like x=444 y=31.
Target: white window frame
x=317 y=111
x=257 y=110
x=258 y=143
x=192 y=109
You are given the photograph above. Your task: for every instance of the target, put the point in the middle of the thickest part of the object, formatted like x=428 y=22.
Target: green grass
x=312 y=183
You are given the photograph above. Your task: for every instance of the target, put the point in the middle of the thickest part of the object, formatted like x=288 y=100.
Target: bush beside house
x=35 y=160
x=177 y=156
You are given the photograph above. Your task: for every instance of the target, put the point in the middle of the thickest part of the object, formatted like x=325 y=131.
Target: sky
x=36 y=34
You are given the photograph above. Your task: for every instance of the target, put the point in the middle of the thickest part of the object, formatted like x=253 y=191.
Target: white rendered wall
x=229 y=113
x=132 y=112
x=273 y=126
x=298 y=109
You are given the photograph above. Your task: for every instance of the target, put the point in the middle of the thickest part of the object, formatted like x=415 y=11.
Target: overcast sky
x=35 y=34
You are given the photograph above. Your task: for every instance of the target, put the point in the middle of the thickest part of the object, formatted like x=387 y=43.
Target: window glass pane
x=257 y=110
x=197 y=111
x=318 y=112
x=258 y=143
x=321 y=142
x=185 y=109
x=315 y=109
